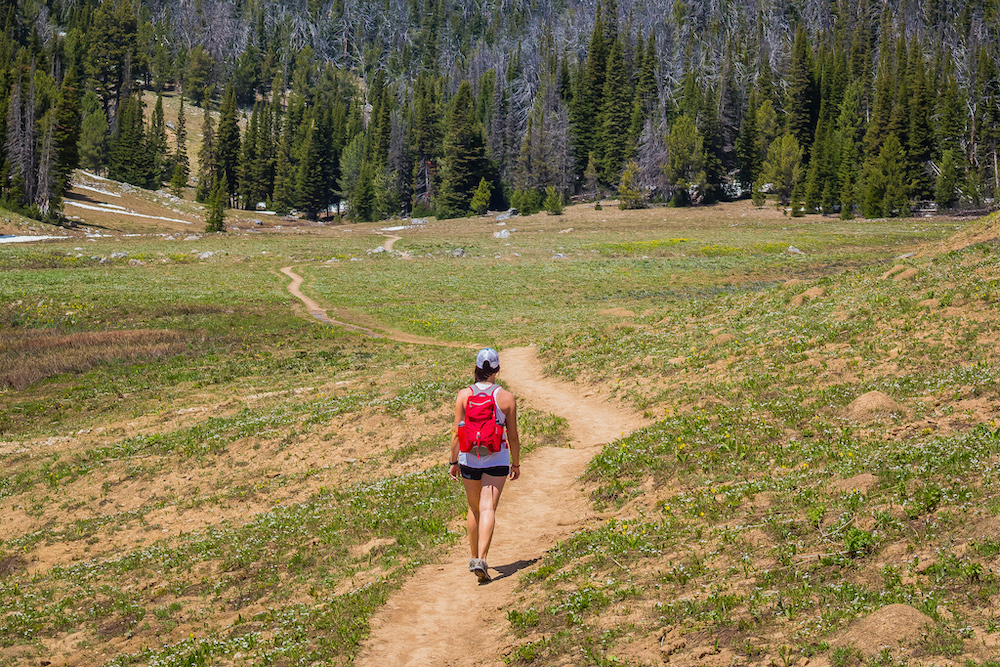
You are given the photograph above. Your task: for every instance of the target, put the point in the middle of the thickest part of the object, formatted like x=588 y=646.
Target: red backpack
x=482 y=428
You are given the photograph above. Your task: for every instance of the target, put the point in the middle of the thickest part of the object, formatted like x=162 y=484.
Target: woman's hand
x=454 y=470
x=515 y=471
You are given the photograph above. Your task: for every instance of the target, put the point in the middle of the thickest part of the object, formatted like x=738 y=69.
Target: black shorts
x=477 y=473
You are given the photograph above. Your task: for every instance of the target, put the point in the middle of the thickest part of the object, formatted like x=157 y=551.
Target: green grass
x=230 y=487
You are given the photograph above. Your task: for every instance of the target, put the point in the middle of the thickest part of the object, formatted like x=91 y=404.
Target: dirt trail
x=320 y=314
x=442 y=616
x=391 y=241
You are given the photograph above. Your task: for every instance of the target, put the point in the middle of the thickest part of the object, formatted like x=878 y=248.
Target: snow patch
x=97 y=190
x=26 y=239
x=112 y=208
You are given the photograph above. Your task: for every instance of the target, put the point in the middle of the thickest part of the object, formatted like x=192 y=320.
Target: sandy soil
x=443 y=615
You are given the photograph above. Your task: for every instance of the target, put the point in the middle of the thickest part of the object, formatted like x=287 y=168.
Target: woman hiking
x=485 y=450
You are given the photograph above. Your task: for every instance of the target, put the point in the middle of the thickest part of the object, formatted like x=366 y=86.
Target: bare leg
x=489 y=498
x=473 y=490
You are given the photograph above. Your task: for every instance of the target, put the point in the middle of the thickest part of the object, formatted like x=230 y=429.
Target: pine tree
x=94 y=137
x=885 y=189
x=463 y=154
x=310 y=177
x=158 y=143
x=131 y=159
x=363 y=198
x=947 y=187
x=686 y=169
x=249 y=189
x=112 y=41
x=615 y=116
x=208 y=161
x=228 y=143
x=899 y=114
x=182 y=166
x=553 y=203
x=645 y=89
x=178 y=180
x=783 y=167
x=216 y=219
x=427 y=138
x=801 y=95
x=481 y=197
x=881 y=109
x=585 y=110
x=262 y=170
x=949 y=111
x=629 y=193
x=748 y=158
x=919 y=138
x=67 y=134
x=381 y=131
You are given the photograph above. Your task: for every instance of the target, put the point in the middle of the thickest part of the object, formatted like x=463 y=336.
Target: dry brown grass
x=29 y=356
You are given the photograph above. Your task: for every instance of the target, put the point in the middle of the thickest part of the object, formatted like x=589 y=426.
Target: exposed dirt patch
x=862 y=483
x=616 y=312
x=810 y=294
x=897 y=627
x=872 y=405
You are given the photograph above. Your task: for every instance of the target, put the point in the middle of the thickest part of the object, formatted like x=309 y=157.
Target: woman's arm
x=509 y=408
x=453 y=468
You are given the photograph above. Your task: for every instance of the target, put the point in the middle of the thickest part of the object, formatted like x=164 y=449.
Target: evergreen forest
x=445 y=107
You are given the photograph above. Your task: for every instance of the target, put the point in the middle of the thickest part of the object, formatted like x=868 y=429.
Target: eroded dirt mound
x=897 y=627
x=862 y=483
x=617 y=312
x=984 y=231
x=872 y=405
x=810 y=294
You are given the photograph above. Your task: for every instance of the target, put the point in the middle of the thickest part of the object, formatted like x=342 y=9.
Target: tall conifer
x=464 y=156
x=228 y=142
x=615 y=116
x=208 y=161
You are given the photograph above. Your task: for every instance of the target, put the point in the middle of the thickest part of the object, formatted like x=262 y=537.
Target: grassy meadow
x=197 y=473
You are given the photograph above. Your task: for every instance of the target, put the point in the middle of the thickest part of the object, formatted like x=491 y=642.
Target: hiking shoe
x=481 y=569
x=472 y=564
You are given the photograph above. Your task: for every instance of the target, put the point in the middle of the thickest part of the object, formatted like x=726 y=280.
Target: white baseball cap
x=488 y=359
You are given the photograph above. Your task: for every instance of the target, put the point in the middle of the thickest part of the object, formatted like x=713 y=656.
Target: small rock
x=502 y=234
x=792 y=250
x=559 y=255
x=192 y=237
x=136 y=262
x=206 y=254
x=458 y=252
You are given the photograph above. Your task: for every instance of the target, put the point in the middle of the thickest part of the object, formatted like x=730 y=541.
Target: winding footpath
x=442 y=616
